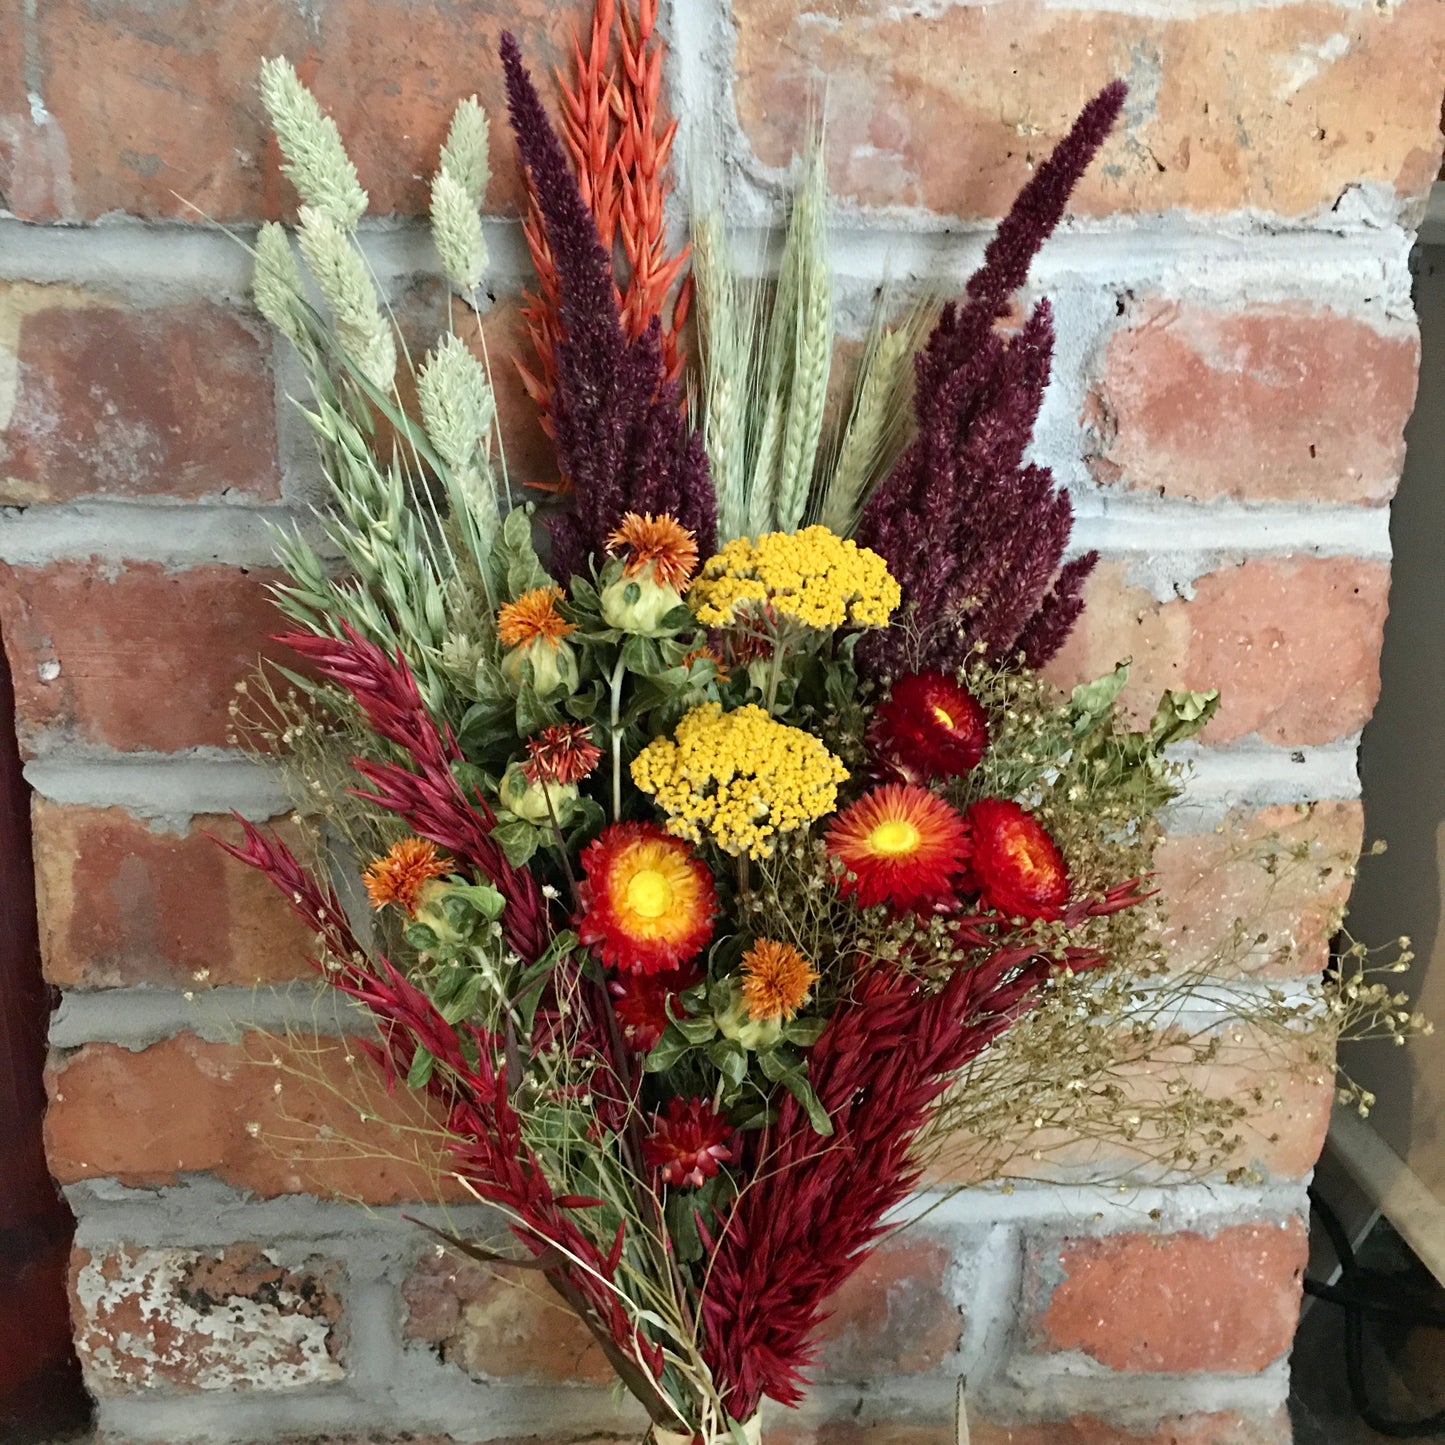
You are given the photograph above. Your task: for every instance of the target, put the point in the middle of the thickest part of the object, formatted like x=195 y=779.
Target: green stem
x=775 y=672
x=618 y=673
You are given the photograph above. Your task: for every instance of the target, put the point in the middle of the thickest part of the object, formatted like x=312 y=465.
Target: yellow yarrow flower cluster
x=740 y=776
x=814 y=577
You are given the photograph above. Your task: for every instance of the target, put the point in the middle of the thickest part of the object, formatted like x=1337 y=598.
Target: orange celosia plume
x=612 y=124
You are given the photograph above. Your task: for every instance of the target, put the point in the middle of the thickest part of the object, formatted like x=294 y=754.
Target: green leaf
x=420 y=937
x=696 y=1031
x=804 y=1032
x=1180 y=715
x=666 y=1052
x=639 y=654
x=518 y=840
x=464 y=1005
x=1092 y=701
x=798 y=1086
x=730 y=1059
x=422 y=1064
x=777 y=1063
x=485 y=899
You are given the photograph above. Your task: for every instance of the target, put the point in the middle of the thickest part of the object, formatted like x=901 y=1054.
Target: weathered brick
x=1292 y=644
x=132 y=656
x=1170 y=1303
x=159 y=114
x=182 y=1320
x=115 y=401
x=1263 y=402
x=895 y=1316
x=1272 y=107
x=1224 y=1428
x=123 y=902
x=275 y=1116
x=499 y=1324
x=1260 y=893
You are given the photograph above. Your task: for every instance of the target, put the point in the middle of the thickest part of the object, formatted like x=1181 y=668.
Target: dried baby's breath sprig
x=316 y=160
x=342 y=277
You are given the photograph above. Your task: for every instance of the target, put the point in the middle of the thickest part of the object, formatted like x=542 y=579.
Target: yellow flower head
x=740 y=776
x=814 y=577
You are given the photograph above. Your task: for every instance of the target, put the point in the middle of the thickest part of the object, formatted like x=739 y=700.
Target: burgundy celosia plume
x=975 y=536
x=813 y=1208
x=621 y=437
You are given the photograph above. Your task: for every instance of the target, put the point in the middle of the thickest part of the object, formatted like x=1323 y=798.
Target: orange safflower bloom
x=400 y=876
x=776 y=979
x=662 y=541
x=534 y=614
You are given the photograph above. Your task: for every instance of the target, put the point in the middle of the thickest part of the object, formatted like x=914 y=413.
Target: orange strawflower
x=400 y=876
x=901 y=844
x=776 y=979
x=662 y=541
x=534 y=614
x=647 y=901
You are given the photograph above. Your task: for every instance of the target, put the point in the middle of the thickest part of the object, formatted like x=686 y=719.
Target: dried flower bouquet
x=729 y=863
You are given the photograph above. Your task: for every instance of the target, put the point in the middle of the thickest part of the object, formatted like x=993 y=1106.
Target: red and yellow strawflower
x=400 y=876
x=640 y=1001
x=1015 y=863
x=647 y=900
x=776 y=979
x=931 y=726
x=901 y=844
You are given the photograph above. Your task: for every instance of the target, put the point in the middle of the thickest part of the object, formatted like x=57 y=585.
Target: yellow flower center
x=894 y=837
x=649 y=894
x=943 y=717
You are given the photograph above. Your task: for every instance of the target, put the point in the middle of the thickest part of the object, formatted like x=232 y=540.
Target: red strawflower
x=1016 y=864
x=930 y=727
x=640 y=1002
x=563 y=753
x=902 y=844
x=689 y=1143
x=647 y=901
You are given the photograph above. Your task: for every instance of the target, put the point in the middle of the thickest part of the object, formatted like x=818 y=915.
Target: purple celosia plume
x=973 y=534
x=621 y=437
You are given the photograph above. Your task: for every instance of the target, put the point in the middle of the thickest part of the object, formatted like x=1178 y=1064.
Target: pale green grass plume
x=364 y=334
x=316 y=161
x=465 y=155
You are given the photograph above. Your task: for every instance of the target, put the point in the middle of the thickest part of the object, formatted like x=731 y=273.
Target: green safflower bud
x=528 y=801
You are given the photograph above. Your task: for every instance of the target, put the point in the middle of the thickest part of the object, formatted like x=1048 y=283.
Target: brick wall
x=1236 y=360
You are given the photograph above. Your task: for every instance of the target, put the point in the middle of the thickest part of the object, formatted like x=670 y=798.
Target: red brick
x=182 y=1320
x=113 y=401
x=159 y=113
x=1274 y=107
x=315 y=1124
x=1260 y=894
x=895 y=1316
x=1171 y=1303
x=1292 y=644
x=499 y=1324
x=1259 y=403
x=1224 y=1428
x=132 y=656
x=123 y=902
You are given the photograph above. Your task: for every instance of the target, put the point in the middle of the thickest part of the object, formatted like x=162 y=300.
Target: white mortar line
x=136 y=1018
x=192 y=534
x=166 y=787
